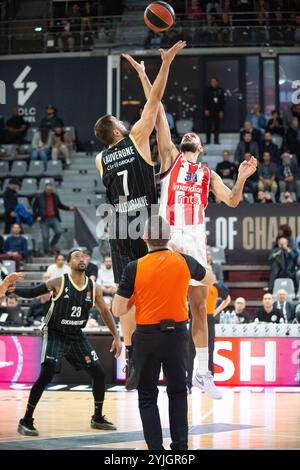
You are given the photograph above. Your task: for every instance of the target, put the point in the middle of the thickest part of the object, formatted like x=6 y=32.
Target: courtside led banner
x=251 y=361
x=20 y=358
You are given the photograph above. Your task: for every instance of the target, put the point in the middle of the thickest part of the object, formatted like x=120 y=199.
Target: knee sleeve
x=45 y=377
x=96 y=372
x=47 y=373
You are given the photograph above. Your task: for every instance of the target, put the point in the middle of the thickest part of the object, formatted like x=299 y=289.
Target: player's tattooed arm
x=166 y=148
x=109 y=321
x=232 y=197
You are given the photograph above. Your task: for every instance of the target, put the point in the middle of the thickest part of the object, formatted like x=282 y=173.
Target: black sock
x=29 y=412
x=98 y=409
x=129 y=350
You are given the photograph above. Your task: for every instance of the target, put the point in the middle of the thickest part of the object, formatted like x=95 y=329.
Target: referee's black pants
x=152 y=349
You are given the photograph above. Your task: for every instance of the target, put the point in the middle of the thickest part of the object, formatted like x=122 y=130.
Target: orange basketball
x=159 y=16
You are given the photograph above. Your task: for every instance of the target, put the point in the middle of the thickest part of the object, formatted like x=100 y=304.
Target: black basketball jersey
x=69 y=311
x=129 y=179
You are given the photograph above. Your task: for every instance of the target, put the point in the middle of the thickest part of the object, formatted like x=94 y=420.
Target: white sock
x=202 y=359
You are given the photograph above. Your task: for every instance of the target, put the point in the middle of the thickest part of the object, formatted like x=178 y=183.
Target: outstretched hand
x=247 y=168
x=138 y=66
x=168 y=56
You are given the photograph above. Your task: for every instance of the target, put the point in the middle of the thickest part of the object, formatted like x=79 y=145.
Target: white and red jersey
x=184 y=194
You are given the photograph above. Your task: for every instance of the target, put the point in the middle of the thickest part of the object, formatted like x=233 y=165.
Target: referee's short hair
x=157 y=231
x=71 y=252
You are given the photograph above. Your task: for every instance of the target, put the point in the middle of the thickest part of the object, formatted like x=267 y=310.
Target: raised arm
x=232 y=197
x=109 y=321
x=142 y=129
x=167 y=150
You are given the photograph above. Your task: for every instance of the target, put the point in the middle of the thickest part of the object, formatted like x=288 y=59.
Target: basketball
x=159 y=16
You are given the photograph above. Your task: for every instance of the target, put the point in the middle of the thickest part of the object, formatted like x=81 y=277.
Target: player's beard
x=188 y=147
x=80 y=270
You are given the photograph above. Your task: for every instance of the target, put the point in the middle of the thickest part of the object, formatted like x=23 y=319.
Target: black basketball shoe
x=26 y=428
x=102 y=423
x=131 y=378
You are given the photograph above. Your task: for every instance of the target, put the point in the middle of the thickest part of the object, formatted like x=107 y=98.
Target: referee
x=159 y=283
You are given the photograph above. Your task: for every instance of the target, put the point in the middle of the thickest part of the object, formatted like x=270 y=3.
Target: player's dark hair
x=157 y=231
x=71 y=252
x=87 y=252
x=104 y=129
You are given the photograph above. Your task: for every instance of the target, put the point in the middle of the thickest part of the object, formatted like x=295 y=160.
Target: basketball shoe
x=102 y=423
x=26 y=428
x=206 y=383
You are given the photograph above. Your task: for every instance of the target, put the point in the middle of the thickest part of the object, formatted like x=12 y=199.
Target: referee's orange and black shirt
x=159 y=282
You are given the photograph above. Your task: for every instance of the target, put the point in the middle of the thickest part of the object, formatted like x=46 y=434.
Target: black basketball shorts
x=75 y=348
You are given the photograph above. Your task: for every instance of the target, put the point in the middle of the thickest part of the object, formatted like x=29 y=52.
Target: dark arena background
x=61 y=68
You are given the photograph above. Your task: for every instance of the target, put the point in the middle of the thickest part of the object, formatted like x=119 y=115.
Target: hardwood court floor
x=261 y=419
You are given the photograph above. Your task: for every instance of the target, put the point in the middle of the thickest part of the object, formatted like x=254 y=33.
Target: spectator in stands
x=269 y=146
x=267 y=172
x=209 y=32
x=213 y=109
x=240 y=311
x=268 y=312
x=106 y=276
x=285 y=231
x=259 y=29
x=41 y=145
x=58 y=268
x=293 y=138
x=51 y=120
x=256 y=117
x=39 y=307
x=15 y=128
x=287 y=308
x=283 y=262
x=287 y=198
x=288 y=176
x=10 y=198
x=224 y=31
x=263 y=197
x=246 y=146
x=61 y=146
x=87 y=26
x=46 y=207
x=215 y=267
x=298 y=273
x=106 y=279
x=297 y=30
x=256 y=134
x=214 y=6
x=295 y=110
x=194 y=11
x=74 y=19
x=275 y=124
x=91 y=268
x=13 y=308
x=15 y=246
x=226 y=169
x=3 y=256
